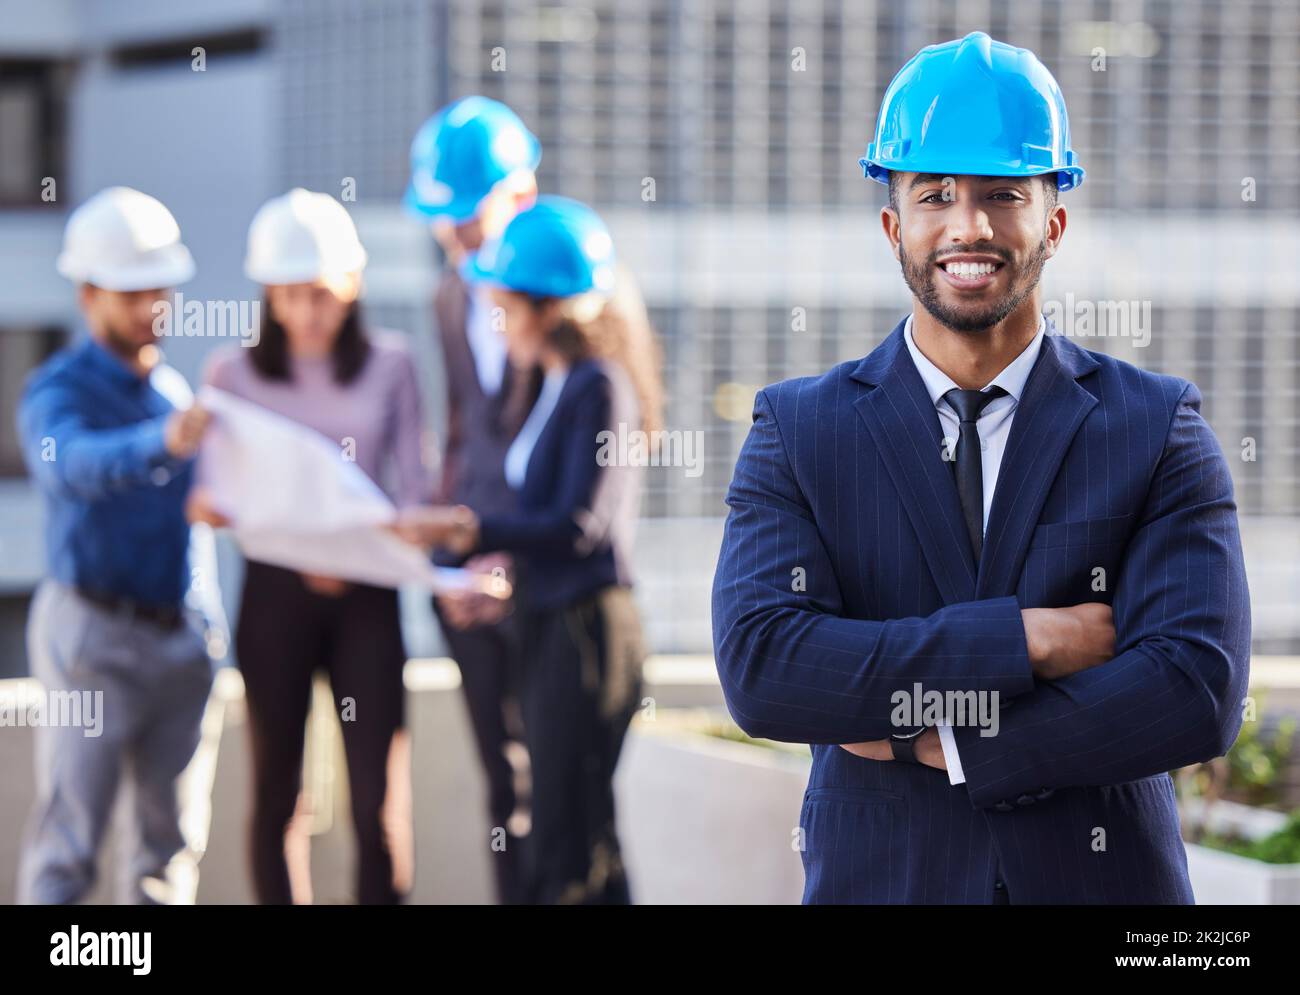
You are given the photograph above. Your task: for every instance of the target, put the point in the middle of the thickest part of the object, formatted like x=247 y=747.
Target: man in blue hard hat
x=472 y=170
x=993 y=578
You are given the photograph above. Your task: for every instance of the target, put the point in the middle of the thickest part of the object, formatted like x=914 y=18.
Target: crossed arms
x=794 y=669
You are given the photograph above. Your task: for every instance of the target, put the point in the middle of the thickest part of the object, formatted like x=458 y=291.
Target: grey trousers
x=154 y=685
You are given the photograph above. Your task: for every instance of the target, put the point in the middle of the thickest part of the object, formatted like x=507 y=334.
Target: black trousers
x=286 y=633
x=489 y=662
x=582 y=684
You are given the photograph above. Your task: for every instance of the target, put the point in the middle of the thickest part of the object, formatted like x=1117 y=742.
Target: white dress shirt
x=521 y=450
x=487 y=345
x=994 y=427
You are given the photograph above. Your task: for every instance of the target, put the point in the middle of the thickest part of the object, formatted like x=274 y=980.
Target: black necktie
x=970 y=465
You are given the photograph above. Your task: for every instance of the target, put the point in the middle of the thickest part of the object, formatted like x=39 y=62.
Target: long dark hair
x=270 y=357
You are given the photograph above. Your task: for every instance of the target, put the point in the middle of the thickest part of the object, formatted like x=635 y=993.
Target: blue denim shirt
x=91 y=430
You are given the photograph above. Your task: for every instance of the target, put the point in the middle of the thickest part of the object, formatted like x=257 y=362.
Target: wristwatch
x=903 y=745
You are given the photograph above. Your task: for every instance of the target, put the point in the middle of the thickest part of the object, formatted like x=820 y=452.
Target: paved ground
x=452 y=844
x=452 y=847
x=700 y=820
x=452 y=850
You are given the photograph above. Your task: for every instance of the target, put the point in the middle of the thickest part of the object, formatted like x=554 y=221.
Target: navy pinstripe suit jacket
x=846 y=575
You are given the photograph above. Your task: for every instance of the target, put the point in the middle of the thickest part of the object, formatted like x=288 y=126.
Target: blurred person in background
x=109 y=434
x=472 y=171
x=317 y=363
x=571 y=532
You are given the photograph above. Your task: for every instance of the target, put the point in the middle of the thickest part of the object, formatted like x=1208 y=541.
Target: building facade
x=720 y=139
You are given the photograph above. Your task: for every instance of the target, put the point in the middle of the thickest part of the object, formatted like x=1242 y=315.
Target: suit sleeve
x=793 y=668
x=1172 y=696
x=67 y=456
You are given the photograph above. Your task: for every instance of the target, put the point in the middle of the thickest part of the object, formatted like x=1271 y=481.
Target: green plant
x=1256 y=762
x=1250 y=773
x=1281 y=847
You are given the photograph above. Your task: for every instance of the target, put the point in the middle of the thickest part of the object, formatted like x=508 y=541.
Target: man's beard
x=920 y=279
x=121 y=344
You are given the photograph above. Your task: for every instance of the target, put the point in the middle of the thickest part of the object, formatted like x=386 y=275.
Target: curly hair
x=618 y=330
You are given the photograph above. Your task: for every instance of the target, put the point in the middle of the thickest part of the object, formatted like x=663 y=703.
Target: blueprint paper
x=295 y=502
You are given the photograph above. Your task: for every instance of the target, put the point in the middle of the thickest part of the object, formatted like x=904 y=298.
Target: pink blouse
x=379 y=415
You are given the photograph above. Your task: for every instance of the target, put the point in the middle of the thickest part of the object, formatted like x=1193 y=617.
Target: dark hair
x=621 y=333
x=570 y=339
x=1050 y=190
x=270 y=357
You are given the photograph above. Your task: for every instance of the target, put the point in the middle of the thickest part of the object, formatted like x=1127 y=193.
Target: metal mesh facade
x=762 y=107
x=711 y=100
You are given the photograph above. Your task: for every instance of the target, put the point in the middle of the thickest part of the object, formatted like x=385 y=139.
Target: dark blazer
x=480 y=426
x=841 y=483
x=573 y=529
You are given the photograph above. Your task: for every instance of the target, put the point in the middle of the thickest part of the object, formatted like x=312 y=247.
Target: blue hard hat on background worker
x=460 y=155
x=973 y=106
x=557 y=248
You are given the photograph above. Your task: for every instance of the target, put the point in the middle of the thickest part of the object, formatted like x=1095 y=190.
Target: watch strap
x=904 y=748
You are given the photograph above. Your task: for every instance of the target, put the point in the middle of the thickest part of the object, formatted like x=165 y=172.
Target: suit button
x=1026 y=800
x=999 y=886
x=1004 y=806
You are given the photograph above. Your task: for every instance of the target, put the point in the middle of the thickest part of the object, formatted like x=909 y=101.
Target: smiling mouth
x=969 y=274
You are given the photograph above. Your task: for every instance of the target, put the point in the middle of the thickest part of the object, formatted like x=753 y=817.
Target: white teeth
x=969 y=269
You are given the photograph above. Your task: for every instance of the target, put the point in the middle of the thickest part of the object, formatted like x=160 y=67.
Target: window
x=21 y=349
x=31 y=129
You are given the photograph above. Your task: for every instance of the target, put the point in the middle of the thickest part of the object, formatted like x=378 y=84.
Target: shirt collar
x=1012 y=379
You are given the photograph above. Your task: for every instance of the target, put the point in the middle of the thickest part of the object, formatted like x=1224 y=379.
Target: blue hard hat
x=977 y=107
x=556 y=248
x=462 y=152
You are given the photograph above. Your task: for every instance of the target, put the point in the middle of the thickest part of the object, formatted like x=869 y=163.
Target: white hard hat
x=302 y=237
x=122 y=239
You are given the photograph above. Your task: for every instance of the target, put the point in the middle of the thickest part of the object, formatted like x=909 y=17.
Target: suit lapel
x=902 y=420
x=1047 y=417
x=906 y=429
